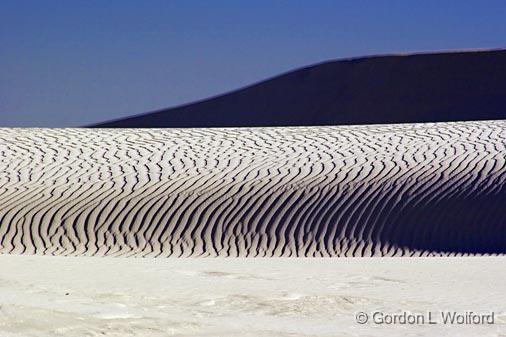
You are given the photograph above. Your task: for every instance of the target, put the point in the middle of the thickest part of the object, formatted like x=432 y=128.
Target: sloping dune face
x=443 y=87
x=407 y=189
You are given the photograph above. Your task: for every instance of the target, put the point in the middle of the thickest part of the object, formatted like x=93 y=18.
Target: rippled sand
x=374 y=190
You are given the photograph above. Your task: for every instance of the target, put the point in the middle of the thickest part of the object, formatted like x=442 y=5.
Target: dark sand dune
x=406 y=189
x=440 y=87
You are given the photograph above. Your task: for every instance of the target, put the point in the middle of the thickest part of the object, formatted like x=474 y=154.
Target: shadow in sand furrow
x=377 y=190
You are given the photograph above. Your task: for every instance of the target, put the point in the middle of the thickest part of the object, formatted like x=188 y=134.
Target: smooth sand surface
x=79 y=296
x=427 y=87
x=375 y=190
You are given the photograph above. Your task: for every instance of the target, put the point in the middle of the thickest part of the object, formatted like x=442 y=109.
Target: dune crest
x=375 y=190
x=433 y=87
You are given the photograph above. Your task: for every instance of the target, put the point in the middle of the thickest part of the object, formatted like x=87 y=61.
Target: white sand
x=80 y=296
x=410 y=189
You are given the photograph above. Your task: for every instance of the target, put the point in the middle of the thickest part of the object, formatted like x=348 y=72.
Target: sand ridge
x=373 y=190
x=382 y=89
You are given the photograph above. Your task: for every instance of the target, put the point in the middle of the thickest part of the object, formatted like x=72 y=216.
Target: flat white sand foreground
x=82 y=296
x=407 y=189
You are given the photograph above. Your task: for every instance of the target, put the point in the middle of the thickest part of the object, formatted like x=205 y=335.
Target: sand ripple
x=407 y=189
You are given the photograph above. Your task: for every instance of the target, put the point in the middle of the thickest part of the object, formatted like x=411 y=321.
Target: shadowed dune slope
x=440 y=87
x=405 y=189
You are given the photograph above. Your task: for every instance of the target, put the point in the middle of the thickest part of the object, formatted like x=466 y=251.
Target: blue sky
x=70 y=63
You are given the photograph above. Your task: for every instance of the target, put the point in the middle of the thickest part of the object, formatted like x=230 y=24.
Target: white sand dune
x=63 y=296
x=382 y=190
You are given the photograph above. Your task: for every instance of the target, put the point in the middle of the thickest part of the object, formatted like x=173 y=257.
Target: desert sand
x=373 y=190
x=82 y=196
x=384 y=89
x=85 y=296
